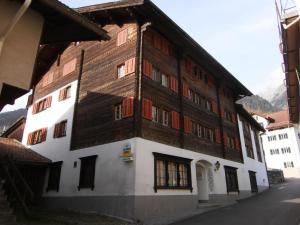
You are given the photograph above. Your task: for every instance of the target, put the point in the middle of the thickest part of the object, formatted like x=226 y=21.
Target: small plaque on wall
x=127 y=155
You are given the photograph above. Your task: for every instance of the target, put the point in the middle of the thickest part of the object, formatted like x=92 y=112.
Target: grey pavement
x=278 y=206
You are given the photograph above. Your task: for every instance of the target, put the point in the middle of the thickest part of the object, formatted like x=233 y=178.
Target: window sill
x=86 y=187
x=173 y=188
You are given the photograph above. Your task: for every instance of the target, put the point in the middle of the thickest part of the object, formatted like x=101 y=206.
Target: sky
x=241 y=34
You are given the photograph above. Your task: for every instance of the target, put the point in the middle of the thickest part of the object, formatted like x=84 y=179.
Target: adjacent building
x=25 y=24
x=280 y=143
x=143 y=126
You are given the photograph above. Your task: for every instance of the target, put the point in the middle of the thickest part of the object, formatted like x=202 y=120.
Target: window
x=208 y=105
x=155 y=114
x=64 y=93
x=121 y=70
x=258 y=150
x=155 y=75
x=272 y=138
x=231 y=142
x=286 y=150
x=42 y=105
x=165 y=80
x=54 y=176
x=228 y=115
x=288 y=164
x=274 y=151
x=165 y=118
x=60 y=129
x=37 y=137
x=118 y=112
x=231 y=179
x=122 y=37
x=250 y=152
x=283 y=136
x=87 y=172
x=171 y=172
x=203 y=132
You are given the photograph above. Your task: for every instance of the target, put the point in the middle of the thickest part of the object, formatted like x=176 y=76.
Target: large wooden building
x=142 y=125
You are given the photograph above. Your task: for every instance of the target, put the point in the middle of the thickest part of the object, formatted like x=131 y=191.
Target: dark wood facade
x=185 y=88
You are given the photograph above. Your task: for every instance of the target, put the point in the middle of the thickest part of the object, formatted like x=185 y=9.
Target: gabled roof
x=281 y=120
x=20 y=153
x=146 y=11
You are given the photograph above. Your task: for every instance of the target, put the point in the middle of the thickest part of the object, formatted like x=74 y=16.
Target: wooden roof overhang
x=291 y=46
x=241 y=111
x=61 y=25
x=146 y=11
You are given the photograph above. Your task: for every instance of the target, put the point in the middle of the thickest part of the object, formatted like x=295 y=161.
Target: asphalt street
x=278 y=206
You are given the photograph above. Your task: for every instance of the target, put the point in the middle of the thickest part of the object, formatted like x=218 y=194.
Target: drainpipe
x=10 y=26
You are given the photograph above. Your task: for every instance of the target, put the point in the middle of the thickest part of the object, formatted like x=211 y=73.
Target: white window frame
x=118 y=112
x=121 y=70
x=164 y=80
x=155 y=113
x=165 y=118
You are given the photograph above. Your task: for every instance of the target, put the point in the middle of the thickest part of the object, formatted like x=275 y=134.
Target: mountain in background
x=266 y=102
x=255 y=103
x=9 y=118
x=279 y=98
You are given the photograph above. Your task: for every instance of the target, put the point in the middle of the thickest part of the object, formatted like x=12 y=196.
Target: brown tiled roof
x=281 y=120
x=19 y=152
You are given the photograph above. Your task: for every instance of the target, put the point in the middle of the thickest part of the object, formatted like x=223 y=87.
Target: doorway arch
x=204 y=179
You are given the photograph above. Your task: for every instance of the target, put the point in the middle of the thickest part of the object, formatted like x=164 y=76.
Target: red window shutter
x=211 y=81
x=61 y=95
x=29 y=140
x=233 y=117
x=237 y=143
x=147 y=109
x=34 y=108
x=130 y=66
x=147 y=68
x=222 y=113
x=157 y=42
x=218 y=136
x=165 y=47
x=127 y=107
x=187 y=124
x=215 y=107
x=188 y=65
x=225 y=139
x=175 y=120
x=185 y=88
x=44 y=134
x=174 y=84
x=48 y=102
x=122 y=37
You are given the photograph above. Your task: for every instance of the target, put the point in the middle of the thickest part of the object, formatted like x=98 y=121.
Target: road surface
x=278 y=206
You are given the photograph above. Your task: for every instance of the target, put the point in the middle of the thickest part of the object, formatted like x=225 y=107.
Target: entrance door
x=253 y=182
x=202 y=183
